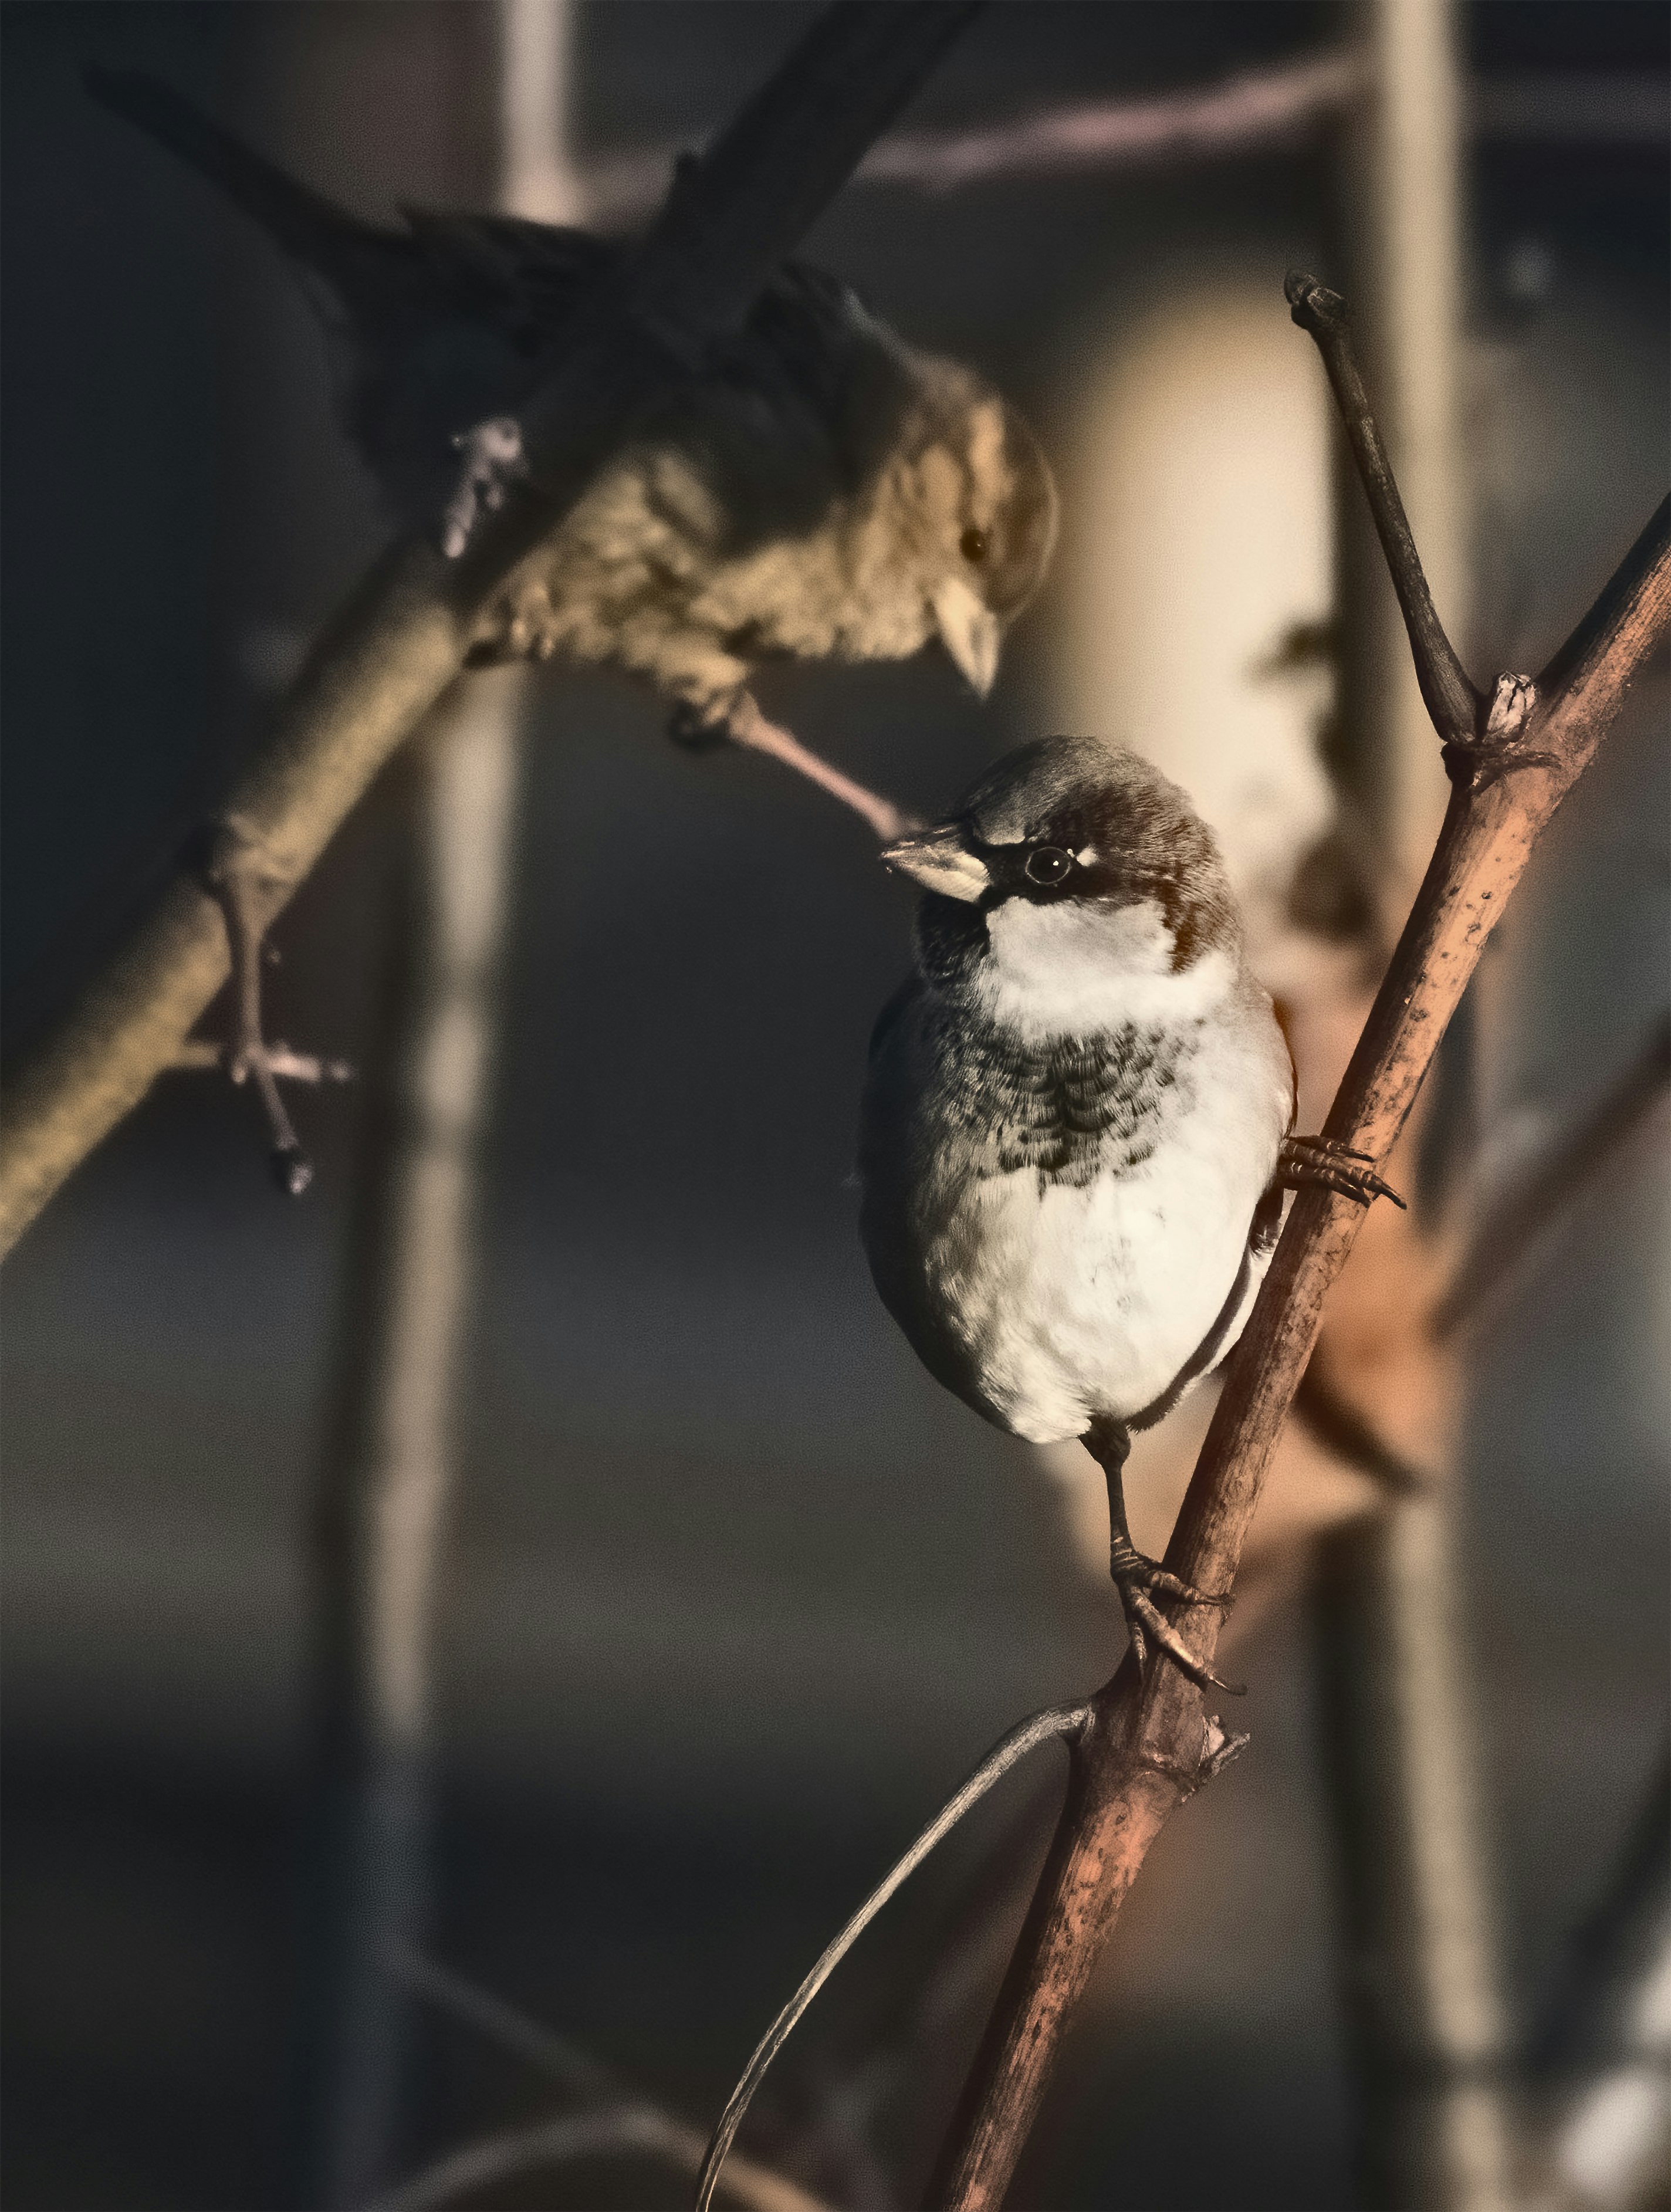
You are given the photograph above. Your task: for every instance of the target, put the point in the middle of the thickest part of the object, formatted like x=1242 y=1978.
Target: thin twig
x=402 y=639
x=572 y=2068
x=609 y=2131
x=203 y=1054
x=1141 y=1758
x=1060 y=1723
x=1451 y=699
x=638 y=2124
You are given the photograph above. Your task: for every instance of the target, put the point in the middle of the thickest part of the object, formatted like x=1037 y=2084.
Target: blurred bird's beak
x=969 y=630
x=941 y=861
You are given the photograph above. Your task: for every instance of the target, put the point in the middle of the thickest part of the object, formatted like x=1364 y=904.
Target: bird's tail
x=311 y=228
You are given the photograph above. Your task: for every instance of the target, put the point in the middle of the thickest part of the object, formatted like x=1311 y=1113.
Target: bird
x=1075 y=1135
x=814 y=489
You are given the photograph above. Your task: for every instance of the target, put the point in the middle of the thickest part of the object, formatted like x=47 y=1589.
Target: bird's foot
x=491 y=459
x=1315 y=1159
x=738 y=720
x=1136 y=1577
x=241 y=881
x=1497 y=751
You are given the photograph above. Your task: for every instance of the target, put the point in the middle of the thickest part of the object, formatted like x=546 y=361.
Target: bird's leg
x=741 y=722
x=1316 y=1159
x=1136 y=1576
x=238 y=881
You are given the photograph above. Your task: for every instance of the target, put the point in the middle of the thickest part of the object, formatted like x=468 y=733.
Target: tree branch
x=401 y=640
x=1142 y=1756
x=1450 y=698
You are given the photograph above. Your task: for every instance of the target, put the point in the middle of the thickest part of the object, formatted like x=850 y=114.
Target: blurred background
x=729 y=1594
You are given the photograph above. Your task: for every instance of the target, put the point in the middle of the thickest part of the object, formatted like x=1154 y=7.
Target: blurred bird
x=816 y=491
x=1073 y=1149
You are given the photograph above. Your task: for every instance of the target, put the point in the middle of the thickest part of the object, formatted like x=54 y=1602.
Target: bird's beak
x=940 y=860
x=969 y=629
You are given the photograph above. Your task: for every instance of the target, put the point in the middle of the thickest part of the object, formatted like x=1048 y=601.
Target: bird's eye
x=1047 y=864
x=973 y=544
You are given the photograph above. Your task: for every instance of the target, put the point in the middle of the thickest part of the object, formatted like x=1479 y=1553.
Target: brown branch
x=1141 y=1758
x=401 y=640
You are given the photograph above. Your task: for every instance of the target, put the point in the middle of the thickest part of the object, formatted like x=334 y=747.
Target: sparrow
x=816 y=490
x=1074 y=1136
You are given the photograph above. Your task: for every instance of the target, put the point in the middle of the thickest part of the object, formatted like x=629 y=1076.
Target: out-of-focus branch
x=1547 y=1186
x=202 y=1053
x=620 y=2120
x=1254 y=111
x=609 y=2131
x=1142 y=1756
x=1601 y=2050
x=402 y=638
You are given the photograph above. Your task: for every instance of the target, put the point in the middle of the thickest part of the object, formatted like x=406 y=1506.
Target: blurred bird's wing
x=432 y=328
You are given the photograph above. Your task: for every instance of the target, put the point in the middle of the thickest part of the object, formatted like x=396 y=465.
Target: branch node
x=1313 y=307
x=1219 y=1746
x=1480 y=763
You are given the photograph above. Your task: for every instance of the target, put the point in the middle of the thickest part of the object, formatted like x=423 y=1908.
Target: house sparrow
x=816 y=491
x=1073 y=1148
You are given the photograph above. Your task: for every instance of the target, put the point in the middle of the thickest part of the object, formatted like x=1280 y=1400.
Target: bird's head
x=984 y=519
x=1070 y=870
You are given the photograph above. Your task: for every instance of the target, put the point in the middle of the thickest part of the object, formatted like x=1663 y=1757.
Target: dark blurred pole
x=385 y=1491
x=1426 y=2011
x=1601 y=2053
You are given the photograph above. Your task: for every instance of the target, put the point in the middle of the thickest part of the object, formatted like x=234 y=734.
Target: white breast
x=1074 y=1300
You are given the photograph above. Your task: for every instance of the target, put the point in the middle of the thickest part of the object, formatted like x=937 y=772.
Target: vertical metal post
x=1427 y=2017
x=384 y=1494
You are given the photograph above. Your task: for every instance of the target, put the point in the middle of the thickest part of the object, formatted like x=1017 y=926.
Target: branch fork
x=1148 y=1743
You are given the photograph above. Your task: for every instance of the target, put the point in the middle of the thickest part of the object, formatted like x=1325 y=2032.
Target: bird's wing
x=1220 y=1340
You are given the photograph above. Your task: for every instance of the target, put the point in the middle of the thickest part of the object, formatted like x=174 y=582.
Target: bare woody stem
x=1451 y=701
x=402 y=639
x=1141 y=1758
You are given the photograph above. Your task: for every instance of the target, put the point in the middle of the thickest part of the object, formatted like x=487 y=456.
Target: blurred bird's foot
x=492 y=459
x=1498 y=751
x=1315 y=1159
x=741 y=722
x=241 y=880
x=1135 y=1576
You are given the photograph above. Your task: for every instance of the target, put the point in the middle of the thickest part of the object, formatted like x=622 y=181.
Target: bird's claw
x=1134 y=1576
x=1335 y=1167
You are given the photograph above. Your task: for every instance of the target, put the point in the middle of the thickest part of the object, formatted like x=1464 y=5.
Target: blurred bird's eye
x=973 y=544
x=1047 y=864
